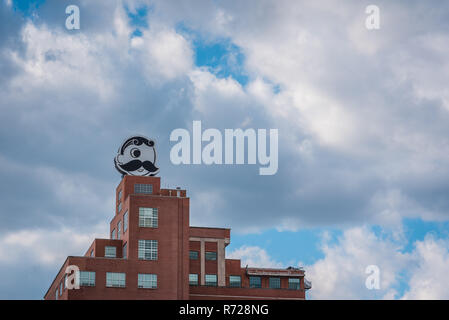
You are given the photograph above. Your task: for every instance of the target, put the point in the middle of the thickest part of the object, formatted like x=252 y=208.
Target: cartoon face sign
x=137 y=157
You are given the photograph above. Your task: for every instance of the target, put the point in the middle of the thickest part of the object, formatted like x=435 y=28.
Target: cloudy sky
x=363 y=120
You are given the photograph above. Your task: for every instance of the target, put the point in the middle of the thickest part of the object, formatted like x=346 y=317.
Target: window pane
x=110 y=252
x=125 y=221
x=211 y=280
x=114 y=279
x=275 y=283
x=119 y=207
x=294 y=283
x=148 y=217
x=255 y=282
x=125 y=250
x=120 y=195
x=87 y=278
x=235 y=281
x=113 y=234
x=193 y=255
x=119 y=230
x=211 y=255
x=193 y=279
x=143 y=188
x=147 y=281
x=147 y=249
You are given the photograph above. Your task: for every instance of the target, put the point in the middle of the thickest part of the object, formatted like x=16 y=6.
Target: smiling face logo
x=137 y=157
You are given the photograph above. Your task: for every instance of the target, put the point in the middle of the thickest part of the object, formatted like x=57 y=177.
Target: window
x=125 y=249
x=119 y=195
x=193 y=279
x=125 y=221
x=211 y=280
x=92 y=253
x=148 y=217
x=60 y=289
x=147 y=249
x=235 y=281
x=119 y=230
x=110 y=252
x=255 y=282
x=211 y=255
x=119 y=207
x=275 y=283
x=113 y=234
x=87 y=278
x=115 y=279
x=294 y=283
x=193 y=255
x=147 y=281
x=143 y=188
x=56 y=294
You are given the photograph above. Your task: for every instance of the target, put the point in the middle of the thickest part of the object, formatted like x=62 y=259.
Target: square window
x=110 y=252
x=275 y=283
x=148 y=217
x=294 y=283
x=147 y=281
x=211 y=280
x=212 y=256
x=115 y=279
x=193 y=255
x=87 y=278
x=255 y=282
x=143 y=188
x=235 y=281
x=193 y=279
x=147 y=249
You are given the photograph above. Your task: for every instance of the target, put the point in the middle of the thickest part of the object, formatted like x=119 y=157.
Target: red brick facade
x=181 y=251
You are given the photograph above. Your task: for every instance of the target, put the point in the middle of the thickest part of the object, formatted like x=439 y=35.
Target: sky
x=362 y=116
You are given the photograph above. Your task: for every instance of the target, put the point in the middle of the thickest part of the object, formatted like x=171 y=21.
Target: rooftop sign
x=137 y=157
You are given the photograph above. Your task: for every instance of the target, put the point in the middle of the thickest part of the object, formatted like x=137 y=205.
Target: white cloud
x=419 y=274
x=429 y=277
x=60 y=61
x=341 y=273
x=165 y=54
x=47 y=248
x=211 y=91
x=253 y=256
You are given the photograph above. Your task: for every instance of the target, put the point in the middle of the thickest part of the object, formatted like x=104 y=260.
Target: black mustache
x=137 y=164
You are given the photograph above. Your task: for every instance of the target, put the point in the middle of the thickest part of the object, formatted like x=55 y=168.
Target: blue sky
x=362 y=116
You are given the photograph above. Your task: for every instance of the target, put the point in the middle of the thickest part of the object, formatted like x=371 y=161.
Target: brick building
x=153 y=253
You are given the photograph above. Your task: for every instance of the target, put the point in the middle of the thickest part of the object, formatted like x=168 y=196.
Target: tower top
x=137 y=157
